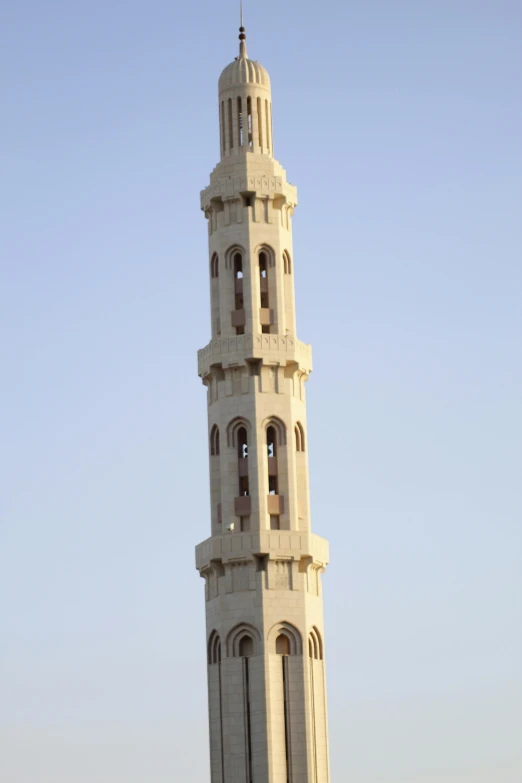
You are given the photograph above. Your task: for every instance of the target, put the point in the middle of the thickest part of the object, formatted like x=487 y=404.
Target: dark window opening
x=238 y=266
x=249 y=123
x=240 y=122
x=246 y=647
x=244 y=488
x=283 y=645
x=271 y=441
x=230 y=125
x=242 y=443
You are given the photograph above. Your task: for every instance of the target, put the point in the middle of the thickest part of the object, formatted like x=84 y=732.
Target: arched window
x=315 y=645
x=243 y=503
x=287 y=263
x=249 y=123
x=239 y=303
x=230 y=125
x=242 y=455
x=285 y=639
x=267 y=121
x=214 y=266
x=271 y=442
x=240 y=122
x=243 y=641
x=299 y=437
x=214 y=441
x=214 y=648
x=234 y=428
x=260 y=123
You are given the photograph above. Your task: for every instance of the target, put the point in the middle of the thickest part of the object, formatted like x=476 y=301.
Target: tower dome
x=242 y=71
x=245 y=106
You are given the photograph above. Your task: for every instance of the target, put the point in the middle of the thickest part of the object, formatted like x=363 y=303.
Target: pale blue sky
x=400 y=123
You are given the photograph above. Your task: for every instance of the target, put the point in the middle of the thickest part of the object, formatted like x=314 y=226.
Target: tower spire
x=242 y=34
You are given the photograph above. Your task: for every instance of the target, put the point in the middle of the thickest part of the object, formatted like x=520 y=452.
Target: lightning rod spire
x=242 y=34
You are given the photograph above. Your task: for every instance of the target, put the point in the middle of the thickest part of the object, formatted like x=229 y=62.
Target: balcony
x=238 y=285
x=238 y=318
x=264 y=285
x=266 y=316
x=275 y=505
x=243 y=506
x=272 y=466
x=243 y=467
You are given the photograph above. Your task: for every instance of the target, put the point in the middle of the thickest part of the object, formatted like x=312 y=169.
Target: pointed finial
x=242 y=34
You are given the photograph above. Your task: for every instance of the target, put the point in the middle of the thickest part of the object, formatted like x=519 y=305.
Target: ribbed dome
x=243 y=71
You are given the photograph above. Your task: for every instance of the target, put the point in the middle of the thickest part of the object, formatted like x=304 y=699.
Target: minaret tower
x=262 y=564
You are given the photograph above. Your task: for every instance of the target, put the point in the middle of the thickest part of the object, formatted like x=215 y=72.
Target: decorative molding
x=272 y=349
x=227 y=188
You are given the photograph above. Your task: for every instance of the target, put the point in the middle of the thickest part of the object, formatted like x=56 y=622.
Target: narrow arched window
x=315 y=645
x=238 y=294
x=287 y=263
x=214 y=648
x=246 y=647
x=249 y=123
x=272 y=461
x=230 y=125
x=240 y=122
x=267 y=125
x=214 y=266
x=242 y=455
x=299 y=437
x=263 y=288
x=214 y=441
x=260 y=122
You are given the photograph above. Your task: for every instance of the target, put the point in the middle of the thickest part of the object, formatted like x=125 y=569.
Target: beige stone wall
x=262 y=565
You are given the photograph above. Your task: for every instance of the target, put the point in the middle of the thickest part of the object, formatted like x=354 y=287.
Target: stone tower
x=262 y=564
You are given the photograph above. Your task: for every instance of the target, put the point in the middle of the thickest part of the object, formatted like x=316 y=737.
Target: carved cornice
x=276 y=544
x=272 y=349
x=225 y=188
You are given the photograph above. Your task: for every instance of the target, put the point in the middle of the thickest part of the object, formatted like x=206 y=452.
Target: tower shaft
x=262 y=564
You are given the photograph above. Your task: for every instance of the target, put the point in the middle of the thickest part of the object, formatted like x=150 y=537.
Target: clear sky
x=400 y=122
